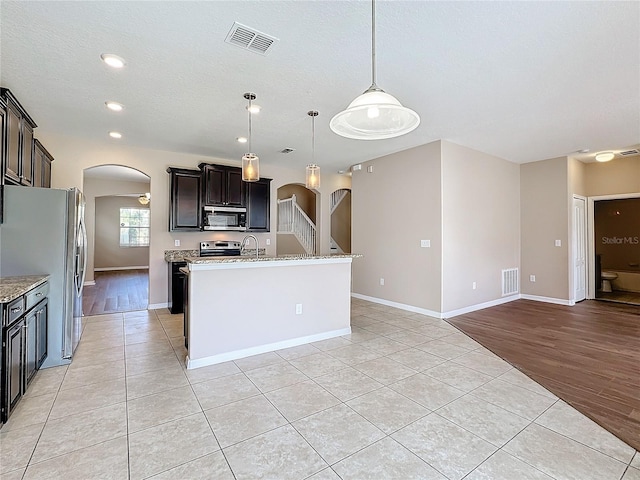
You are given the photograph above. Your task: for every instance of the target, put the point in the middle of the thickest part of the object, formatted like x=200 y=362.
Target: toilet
x=607 y=278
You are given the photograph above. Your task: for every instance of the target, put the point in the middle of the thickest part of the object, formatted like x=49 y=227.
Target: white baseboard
x=557 y=301
x=271 y=347
x=156 y=306
x=89 y=282
x=110 y=269
x=480 y=306
x=461 y=311
x=401 y=306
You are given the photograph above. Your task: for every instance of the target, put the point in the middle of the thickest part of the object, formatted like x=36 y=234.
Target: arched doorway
x=117 y=216
x=298 y=212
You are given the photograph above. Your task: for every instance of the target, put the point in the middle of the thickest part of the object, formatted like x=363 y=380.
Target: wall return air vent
x=250 y=39
x=509 y=281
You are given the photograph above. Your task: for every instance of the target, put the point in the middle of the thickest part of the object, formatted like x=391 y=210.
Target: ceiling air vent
x=250 y=39
x=630 y=152
x=287 y=150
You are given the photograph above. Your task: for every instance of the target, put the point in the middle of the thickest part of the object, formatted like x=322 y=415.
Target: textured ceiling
x=524 y=81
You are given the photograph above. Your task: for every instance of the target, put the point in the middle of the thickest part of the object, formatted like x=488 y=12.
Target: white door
x=579 y=249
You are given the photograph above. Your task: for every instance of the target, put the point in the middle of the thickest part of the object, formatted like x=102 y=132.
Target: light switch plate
x=176 y=243
x=558 y=243
x=370 y=169
x=425 y=243
x=268 y=241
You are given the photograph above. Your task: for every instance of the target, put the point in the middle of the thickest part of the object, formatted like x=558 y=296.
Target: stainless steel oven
x=225 y=218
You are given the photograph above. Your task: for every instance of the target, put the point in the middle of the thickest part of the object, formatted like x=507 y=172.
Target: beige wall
x=108 y=252
x=73 y=155
x=393 y=208
x=544 y=202
x=577 y=178
x=481 y=225
x=94 y=188
x=341 y=224
x=288 y=244
x=618 y=176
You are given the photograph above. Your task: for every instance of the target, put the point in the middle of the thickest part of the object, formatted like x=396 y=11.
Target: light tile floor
x=404 y=396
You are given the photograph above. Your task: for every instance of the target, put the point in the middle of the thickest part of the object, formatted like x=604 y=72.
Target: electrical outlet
x=298 y=309
x=425 y=243
x=268 y=241
x=532 y=278
x=558 y=243
x=381 y=281
x=176 y=243
x=473 y=286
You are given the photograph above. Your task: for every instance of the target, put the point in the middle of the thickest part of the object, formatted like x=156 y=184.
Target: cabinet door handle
x=39 y=294
x=16 y=309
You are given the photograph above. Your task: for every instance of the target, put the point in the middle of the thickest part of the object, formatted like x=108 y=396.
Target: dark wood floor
x=588 y=354
x=116 y=291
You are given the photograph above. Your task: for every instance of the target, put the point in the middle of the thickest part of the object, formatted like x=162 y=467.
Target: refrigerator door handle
x=82 y=261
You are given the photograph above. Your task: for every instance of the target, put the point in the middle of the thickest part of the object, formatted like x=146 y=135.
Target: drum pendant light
x=250 y=161
x=374 y=115
x=312 y=177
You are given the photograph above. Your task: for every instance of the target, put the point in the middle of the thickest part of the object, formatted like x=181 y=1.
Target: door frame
x=572 y=294
x=591 y=240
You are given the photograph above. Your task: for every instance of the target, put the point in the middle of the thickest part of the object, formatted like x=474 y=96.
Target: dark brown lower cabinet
x=24 y=346
x=13 y=367
x=42 y=329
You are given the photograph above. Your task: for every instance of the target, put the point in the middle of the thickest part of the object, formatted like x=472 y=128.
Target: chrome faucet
x=244 y=240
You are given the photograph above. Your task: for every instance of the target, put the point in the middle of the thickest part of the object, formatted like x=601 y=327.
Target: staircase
x=336 y=198
x=293 y=220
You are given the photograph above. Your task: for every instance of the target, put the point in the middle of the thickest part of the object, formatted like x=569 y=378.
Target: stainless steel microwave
x=225 y=218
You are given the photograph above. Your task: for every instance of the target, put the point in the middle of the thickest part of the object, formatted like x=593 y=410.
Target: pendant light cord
x=249 y=111
x=373 y=43
x=313 y=139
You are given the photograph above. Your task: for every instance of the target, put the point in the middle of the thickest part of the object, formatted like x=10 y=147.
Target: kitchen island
x=242 y=306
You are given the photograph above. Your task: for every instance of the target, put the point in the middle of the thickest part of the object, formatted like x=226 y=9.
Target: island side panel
x=236 y=312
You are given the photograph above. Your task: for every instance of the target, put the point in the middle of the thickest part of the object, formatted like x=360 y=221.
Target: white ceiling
x=524 y=81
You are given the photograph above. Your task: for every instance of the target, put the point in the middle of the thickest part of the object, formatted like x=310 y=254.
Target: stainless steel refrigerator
x=43 y=233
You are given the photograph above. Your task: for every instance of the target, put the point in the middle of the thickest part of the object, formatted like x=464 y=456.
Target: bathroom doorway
x=616 y=249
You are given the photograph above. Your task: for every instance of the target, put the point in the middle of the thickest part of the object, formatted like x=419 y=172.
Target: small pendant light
x=312 y=178
x=374 y=115
x=250 y=161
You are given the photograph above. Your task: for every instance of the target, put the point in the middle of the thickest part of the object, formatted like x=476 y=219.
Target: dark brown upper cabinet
x=258 y=205
x=18 y=155
x=185 y=207
x=223 y=185
x=41 y=165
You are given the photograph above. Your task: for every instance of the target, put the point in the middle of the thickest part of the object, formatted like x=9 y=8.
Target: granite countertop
x=265 y=258
x=180 y=255
x=12 y=287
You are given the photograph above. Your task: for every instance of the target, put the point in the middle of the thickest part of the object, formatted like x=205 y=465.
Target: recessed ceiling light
x=115 y=106
x=584 y=150
x=241 y=139
x=605 y=156
x=254 y=108
x=113 y=61
x=115 y=134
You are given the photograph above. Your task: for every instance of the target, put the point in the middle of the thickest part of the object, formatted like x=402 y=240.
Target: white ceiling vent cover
x=629 y=152
x=250 y=39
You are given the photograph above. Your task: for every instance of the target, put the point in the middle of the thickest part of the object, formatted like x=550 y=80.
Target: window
x=134 y=227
